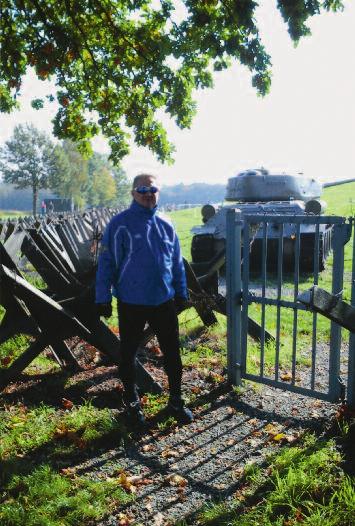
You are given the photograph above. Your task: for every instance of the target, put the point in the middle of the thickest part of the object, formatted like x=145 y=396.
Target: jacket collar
x=143 y=210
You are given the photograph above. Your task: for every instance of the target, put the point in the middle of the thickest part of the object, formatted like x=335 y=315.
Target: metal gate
x=265 y=282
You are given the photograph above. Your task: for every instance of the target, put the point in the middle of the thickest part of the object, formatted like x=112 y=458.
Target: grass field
x=11 y=214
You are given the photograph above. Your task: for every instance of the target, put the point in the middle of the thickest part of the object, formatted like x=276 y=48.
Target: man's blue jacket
x=140 y=260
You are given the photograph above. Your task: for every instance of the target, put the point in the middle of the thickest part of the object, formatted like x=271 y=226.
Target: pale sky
x=306 y=124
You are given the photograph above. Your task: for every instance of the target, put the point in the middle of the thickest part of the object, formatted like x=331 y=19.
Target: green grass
x=184 y=220
x=152 y=404
x=340 y=200
x=23 y=431
x=303 y=484
x=34 y=445
x=47 y=498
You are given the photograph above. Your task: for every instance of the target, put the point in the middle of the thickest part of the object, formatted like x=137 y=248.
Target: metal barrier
x=62 y=250
x=272 y=297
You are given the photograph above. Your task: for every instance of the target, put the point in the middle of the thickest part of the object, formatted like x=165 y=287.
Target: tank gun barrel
x=336 y=183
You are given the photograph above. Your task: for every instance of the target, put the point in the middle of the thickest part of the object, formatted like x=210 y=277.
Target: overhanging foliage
x=117 y=62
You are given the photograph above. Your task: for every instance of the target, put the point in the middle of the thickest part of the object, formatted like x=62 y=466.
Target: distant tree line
x=13 y=199
x=29 y=160
x=199 y=193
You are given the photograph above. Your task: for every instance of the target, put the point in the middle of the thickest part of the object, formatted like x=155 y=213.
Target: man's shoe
x=135 y=414
x=177 y=409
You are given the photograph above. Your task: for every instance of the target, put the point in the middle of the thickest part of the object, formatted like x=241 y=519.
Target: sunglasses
x=146 y=189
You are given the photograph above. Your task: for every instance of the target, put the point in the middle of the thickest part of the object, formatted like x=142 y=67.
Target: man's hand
x=104 y=309
x=180 y=303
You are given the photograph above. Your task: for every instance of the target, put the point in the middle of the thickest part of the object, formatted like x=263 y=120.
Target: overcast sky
x=306 y=124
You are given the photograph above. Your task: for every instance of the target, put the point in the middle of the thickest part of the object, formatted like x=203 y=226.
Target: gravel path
x=175 y=474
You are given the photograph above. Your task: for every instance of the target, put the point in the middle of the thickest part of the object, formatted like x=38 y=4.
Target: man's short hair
x=139 y=177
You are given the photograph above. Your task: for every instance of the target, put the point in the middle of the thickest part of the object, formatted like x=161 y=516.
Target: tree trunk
x=34 y=199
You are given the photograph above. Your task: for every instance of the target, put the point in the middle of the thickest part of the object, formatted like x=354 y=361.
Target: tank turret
x=260 y=185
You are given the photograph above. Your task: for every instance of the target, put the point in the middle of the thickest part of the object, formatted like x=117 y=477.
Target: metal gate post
x=234 y=292
x=335 y=329
x=351 y=364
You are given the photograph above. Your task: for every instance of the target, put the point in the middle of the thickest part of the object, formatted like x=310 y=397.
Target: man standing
x=140 y=261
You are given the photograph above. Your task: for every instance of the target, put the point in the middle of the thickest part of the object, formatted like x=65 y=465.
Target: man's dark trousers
x=163 y=320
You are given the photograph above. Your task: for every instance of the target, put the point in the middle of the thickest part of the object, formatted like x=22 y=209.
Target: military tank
x=257 y=191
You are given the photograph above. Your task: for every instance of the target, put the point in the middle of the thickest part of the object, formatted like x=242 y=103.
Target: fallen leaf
x=68 y=472
x=214 y=377
x=67 y=404
x=60 y=432
x=81 y=443
x=286 y=376
x=138 y=480
x=291 y=438
x=158 y=519
x=299 y=516
x=237 y=473
x=156 y=350
x=176 y=480
x=123 y=481
x=148 y=447
x=168 y=453
x=279 y=437
x=239 y=495
x=145 y=481
x=271 y=429
x=124 y=520
x=221 y=486
x=6 y=360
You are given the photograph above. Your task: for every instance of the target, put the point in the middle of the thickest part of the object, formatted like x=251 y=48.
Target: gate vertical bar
x=263 y=291
x=245 y=293
x=234 y=293
x=279 y=293
x=315 y=318
x=335 y=329
x=295 y=294
x=351 y=364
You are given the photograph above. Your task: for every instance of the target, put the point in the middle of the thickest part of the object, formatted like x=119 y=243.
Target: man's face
x=149 y=200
